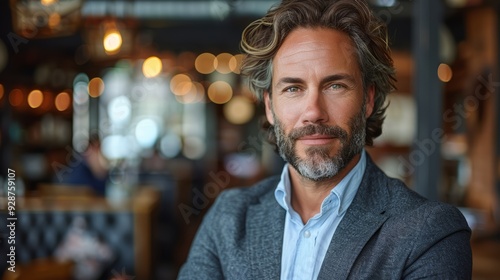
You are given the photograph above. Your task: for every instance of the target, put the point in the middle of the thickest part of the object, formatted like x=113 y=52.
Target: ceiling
x=177 y=25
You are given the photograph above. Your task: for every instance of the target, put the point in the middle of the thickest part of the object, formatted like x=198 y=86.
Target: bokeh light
x=35 y=98
x=81 y=93
x=80 y=78
x=220 y=92
x=194 y=147
x=48 y=2
x=119 y=109
x=444 y=72
x=195 y=94
x=96 y=87
x=146 y=133
x=221 y=63
x=235 y=63
x=152 y=67
x=170 y=145
x=239 y=110
x=115 y=147
x=112 y=41
x=62 y=101
x=2 y=91
x=180 y=84
x=205 y=63
x=54 y=20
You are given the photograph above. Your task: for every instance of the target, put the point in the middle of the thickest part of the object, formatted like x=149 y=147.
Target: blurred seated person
x=90 y=169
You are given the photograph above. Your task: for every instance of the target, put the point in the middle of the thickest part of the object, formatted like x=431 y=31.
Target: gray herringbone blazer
x=388 y=232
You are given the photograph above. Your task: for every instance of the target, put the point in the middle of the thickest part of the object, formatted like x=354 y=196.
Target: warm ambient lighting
x=235 y=63
x=220 y=92
x=112 y=40
x=195 y=94
x=48 y=2
x=35 y=98
x=205 y=63
x=54 y=20
x=62 y=101
x=152 y=67
x=1 y=91
x=239 y=110
x=96 y=87
x=221 y=63
x=444 y=72
x=180 y=84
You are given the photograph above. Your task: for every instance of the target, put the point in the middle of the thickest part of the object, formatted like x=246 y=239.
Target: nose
x=315 y=111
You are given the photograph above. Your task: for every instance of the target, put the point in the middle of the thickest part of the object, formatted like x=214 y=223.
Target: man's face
x=318 y=106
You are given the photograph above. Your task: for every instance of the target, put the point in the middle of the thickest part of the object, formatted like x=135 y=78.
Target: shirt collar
x=345 y=190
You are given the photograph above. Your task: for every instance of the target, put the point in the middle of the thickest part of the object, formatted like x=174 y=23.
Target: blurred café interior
x=122 y=120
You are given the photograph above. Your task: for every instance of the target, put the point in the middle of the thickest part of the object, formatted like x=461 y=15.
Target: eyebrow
x=331 y=78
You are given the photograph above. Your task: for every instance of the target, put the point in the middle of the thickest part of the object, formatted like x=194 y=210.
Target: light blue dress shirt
x=305 y=245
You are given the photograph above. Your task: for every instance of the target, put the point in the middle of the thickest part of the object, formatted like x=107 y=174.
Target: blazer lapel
x=363 y=218
x=265 y=226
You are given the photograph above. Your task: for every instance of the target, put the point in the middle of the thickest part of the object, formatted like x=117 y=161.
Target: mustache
x=333 y=131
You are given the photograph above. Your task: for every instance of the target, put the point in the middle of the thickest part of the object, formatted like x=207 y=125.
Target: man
x=90 y=171
x=323 y=69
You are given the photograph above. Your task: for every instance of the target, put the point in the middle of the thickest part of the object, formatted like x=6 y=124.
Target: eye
x=291 y=89
x=337 y=86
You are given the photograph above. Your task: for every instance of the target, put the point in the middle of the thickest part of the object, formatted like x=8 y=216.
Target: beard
x=318 y=164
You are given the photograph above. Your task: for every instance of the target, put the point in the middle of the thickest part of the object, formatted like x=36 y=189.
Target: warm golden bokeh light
x=239 y=110
x=62 y=101
x=235 y=63
x=205 y=63
x=48 y=2
x=112 y=41
x=180 y=84
x=195 y=94
x=16 y=97
x=96 y=87
x=444 y=72
x=54 y=20
x=152 y=67
x=35 y=98
x=221 y=63
x=220 y=92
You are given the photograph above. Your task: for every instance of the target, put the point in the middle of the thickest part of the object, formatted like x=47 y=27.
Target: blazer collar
x=363 y=218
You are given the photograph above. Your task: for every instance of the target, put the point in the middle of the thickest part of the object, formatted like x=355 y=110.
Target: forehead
x=316 y=48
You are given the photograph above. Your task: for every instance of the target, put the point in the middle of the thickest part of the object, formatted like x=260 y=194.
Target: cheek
x=287 y=116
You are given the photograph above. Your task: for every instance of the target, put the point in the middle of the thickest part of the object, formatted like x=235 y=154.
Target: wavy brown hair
x=263 y=37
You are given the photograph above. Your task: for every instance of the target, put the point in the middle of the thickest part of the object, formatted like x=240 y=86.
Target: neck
x=308 y=195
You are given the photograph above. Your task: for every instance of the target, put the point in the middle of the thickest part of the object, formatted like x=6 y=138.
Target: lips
x=317 y=134
x=316 y=139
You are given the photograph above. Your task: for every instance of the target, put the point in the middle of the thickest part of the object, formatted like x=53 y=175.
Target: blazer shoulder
x=379 y=191
x=401 y=200
x=239 y=197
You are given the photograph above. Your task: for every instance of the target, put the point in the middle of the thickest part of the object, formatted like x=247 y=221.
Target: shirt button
x=307 y=234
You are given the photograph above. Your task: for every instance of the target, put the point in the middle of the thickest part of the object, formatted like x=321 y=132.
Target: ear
x=370 y=101
x=269 y=112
